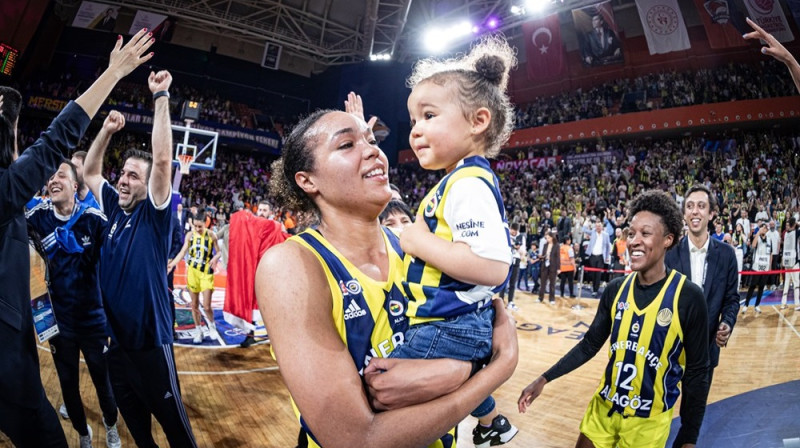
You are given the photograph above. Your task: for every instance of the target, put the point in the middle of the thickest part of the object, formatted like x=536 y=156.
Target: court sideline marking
x=786 y=320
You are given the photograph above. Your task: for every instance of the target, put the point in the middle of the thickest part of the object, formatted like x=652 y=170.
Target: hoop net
x=185 y=161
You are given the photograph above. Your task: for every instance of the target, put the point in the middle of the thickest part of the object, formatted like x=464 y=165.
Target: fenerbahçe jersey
x=433 y=294
x=646 y=353
x=200 y=251
x=368 y=314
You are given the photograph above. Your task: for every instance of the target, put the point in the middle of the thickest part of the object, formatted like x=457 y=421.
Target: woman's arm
x=321 y=375
x=776 y=50
x=122 y=61
x=395 y=383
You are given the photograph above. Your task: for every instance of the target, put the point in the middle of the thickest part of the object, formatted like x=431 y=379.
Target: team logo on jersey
x=622 y=306
x=353 y=311
x=395 y=308
x=430 y=208
x=635 y=327
x=352 y=287
x=86 y=240
x=113 y=229
x=664 y=317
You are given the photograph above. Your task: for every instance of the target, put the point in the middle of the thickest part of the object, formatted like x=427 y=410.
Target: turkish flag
x=543 y=48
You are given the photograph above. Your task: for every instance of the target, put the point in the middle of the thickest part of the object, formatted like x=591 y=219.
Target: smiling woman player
x=657 y=321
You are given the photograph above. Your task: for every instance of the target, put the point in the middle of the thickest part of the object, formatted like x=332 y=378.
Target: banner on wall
x=723 y=22
x=162 y=26
x=663 y=26
x=598 y=36
x=525 y=164
x=269 y=142
x=543 y=49
x=96 y=16
x=768 y=14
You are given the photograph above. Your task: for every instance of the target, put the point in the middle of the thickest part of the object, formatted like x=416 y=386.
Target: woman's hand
x=773 y=47
x=125 y=58
x=398 y=383
x=531 y=393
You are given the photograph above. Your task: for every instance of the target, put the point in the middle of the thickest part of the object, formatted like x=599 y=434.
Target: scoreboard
x=8 y=59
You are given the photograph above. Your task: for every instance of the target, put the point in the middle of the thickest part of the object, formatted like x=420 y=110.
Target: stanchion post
x=578 y=305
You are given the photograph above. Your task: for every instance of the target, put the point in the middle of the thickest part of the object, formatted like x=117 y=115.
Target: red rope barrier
x=617 y=271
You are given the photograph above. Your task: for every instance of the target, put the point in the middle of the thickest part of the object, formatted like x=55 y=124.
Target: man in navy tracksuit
x=133 y=277
x=72 y=235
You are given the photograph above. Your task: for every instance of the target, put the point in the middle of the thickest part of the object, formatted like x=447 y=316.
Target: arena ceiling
x=335 y=32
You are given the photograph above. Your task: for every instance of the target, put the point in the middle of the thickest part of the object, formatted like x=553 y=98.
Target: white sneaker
x=86 y=441
x=744 y=309
x=63 y=411
x=112 y=436
x=783 y=307
x=758 y=310
x=198 y=336
x=513 y=306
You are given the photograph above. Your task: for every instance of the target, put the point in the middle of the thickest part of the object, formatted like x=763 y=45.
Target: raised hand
x=125 y=58
x=114 y=122
x=355 y=106
x=773 y=47
x=159 y=81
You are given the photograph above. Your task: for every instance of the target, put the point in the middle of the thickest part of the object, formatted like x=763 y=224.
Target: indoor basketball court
x=235 y=397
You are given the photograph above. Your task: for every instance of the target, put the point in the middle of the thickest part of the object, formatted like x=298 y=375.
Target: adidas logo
x=353 y=311
x=167 y=395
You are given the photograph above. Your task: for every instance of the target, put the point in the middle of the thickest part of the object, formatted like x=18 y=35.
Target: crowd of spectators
x=130 y=95
x=753 y=174
x=730 y=82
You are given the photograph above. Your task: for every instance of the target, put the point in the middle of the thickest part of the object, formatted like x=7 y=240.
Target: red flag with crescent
x=543 y=48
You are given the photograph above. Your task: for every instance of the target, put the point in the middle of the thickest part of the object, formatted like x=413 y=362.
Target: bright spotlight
x=534 y=6
x=463 y=28
x=493 y=23
x=516 y=10
x=438 y=39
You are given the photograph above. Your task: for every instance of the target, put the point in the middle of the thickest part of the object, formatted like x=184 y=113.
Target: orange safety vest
x=567 y=263
x=622 y=245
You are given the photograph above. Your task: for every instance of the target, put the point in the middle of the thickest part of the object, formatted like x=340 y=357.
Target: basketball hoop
x=185 y=161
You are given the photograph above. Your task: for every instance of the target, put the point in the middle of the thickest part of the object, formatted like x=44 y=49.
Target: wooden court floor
x=236 y=398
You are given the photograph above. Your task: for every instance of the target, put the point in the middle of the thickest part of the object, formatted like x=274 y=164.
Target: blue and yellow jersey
x=368 y=314
x=433 y=294
x=646 y=353
x=201 y=250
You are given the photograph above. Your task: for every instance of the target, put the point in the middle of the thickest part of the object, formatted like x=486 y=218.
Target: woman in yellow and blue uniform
x=656 y=320
x=332 y=300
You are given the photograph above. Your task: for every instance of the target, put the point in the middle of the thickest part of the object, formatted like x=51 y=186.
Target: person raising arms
x=26 y=416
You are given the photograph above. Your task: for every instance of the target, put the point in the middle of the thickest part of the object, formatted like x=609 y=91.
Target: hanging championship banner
x=723 y=22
